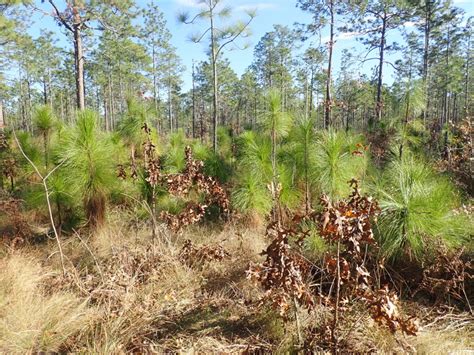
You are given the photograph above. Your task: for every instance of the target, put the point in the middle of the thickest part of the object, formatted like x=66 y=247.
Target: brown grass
x=32 y=320
x=127 y=292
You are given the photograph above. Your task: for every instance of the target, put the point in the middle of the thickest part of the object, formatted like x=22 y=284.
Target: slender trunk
x=328 y=103
x=426 y=49
x=79 y=60
x=61 y=102
x=155 y=92
x=311 y=87
x=106 y=113
x=407 y=108
x=50 y=89
x=194 y=106
x=2 y=120
x=379 y=103
x=20 y=100
x=306 y=97
x=446 y=77
x=170 y=105
x=202 y=120
x=29 y=100
x=45 y=92
x=467 y=79
x=255 y=108
x=45 y=147
x=274 y=173
x=215 y=100
x=111 y=103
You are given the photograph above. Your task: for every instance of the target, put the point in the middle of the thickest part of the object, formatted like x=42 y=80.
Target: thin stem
x=46 y=191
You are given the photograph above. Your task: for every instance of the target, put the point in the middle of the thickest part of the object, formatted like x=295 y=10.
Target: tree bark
x=79 y=61
x=194 y=106
x=427 y=30
x=379 y=103
x=2 y=120
x=45 y=92
x=215 y=100
x=328 y=103
x=170 y=98
x=467 y=79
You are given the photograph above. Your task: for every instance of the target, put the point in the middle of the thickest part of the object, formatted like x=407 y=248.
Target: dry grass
x=127 y=292
x=32 y=320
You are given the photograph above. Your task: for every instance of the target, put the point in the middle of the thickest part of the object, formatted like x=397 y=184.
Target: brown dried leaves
x=349 y=222
x=192 y=254
x=284 y=273
x=447 y=275
x=181 y=184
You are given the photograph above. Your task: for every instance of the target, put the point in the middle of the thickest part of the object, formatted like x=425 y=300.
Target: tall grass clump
x=417 y=209
x=89 y=165
x=32 y=321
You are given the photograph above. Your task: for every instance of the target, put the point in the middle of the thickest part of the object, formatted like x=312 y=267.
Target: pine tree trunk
x=311 y=87
x=215 y=100
x=170 y=107
x=427 y=31
x=328 y=103
x=45 y=92
x=79 y=60
x=467 y=79
x=194 y=106
x=379 y=103
x=2 y=120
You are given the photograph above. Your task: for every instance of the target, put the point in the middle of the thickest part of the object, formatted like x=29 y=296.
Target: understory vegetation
x=162 y=239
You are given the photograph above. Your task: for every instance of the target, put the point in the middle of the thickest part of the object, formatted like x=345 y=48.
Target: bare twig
x=46 y=191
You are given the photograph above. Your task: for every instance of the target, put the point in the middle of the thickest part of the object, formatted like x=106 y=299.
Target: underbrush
x=125 y=291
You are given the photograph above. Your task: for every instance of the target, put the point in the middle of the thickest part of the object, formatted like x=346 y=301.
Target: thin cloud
x=344 y=36
x=411 y=23
x=256 y=6
x=188 y=3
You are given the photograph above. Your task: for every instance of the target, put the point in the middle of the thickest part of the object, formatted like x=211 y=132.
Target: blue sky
x=269 y=13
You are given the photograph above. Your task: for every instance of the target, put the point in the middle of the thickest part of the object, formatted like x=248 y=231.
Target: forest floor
x=125 y=291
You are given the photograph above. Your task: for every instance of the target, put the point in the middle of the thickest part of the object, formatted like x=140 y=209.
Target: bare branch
x=60 y=17
x=46 y=191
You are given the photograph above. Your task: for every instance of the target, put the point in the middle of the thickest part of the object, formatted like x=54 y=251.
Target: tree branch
x=46 y=191
x=235 y=37
x=60 y=17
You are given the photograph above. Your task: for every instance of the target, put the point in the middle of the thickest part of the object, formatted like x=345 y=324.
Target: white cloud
x=244 y=7
x=188 y=3
x=410 y=24
x=344 y=36
x=461 y=1
x=256 y=6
